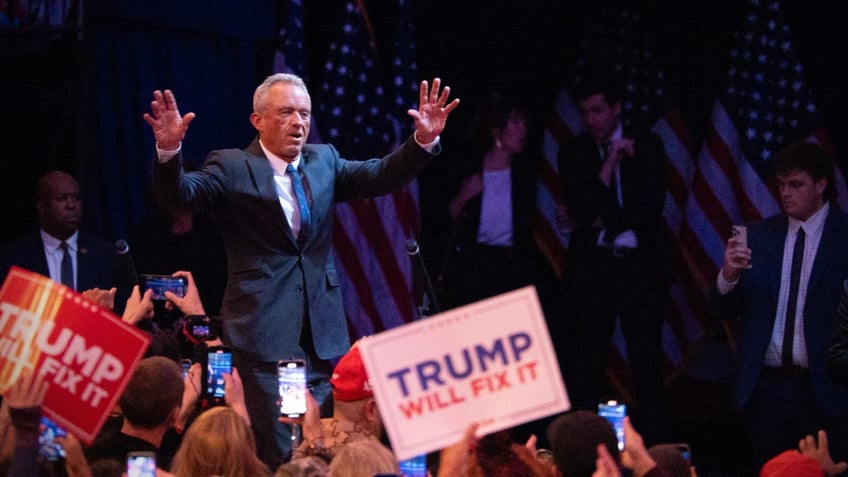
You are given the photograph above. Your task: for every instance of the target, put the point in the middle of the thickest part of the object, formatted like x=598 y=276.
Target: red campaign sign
x=85 y=352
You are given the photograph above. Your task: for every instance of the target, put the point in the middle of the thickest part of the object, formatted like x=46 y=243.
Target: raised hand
x=737 y=257
x=169 y=127
x=139 y=306
x=433 y=110
x=819 y=451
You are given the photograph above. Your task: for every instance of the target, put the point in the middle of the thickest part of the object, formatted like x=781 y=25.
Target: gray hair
x=261 y=95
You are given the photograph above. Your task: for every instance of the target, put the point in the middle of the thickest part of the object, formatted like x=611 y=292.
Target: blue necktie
x=66 y=269
x=302 y=202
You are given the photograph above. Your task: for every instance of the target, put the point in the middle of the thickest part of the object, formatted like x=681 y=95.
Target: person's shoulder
x=771 y=223
x=318 y=149
x=837 y=216
x=90 y=243
x=579 y=145
x=580 y=140
x=21 y=247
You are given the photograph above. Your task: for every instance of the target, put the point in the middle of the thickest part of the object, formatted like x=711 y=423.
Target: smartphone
x=291 y=378
x=141 y=464
x=219 y=360
x=162 y=283
x=186 y=365
x=414 y=467
x=740 y=233
x=47 y=447
x=614 y=412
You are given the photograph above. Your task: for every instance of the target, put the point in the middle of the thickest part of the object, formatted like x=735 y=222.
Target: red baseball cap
x=791 y=463
x=349 y=379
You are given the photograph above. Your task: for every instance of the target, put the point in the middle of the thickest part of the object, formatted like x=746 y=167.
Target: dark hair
x=154 y=391
x=810 y=158
x=670 y=459
x=494 y=113
x=597 y=83
x=574 y=438
x=496 y=454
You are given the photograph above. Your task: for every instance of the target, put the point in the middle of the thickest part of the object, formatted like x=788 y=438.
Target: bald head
x=58 y=204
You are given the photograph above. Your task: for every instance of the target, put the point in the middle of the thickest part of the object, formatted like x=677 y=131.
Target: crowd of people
x=272 y=203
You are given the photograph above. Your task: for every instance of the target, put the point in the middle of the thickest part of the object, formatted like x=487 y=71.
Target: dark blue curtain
x=212 y=54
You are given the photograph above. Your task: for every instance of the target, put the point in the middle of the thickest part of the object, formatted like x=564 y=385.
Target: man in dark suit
x=618 y=259
x=91 y=265
x=282 y=298
x=783 y=289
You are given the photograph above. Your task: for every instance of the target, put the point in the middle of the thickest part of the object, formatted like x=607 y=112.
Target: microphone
x=430 y=304
x=123 y=249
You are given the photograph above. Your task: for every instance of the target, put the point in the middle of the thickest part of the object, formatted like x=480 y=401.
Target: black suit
x=98 y=264
x=600 y=285
x=282 y=293
x=780 y=411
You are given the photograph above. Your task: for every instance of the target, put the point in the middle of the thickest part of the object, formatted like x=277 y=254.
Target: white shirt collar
x=52 y=244
x=279 y=164
x=813 y=224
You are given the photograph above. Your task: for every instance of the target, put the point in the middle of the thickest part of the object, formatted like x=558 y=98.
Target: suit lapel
x=259 y=169
x=38 y=255
x=827 y=248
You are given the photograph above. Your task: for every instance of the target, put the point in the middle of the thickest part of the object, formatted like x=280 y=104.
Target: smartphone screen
x=414 y=467
x=162 y=283
x=614 y=413
x=47 y=447
x=291 y=377
x=141 y=464
x=219 y=361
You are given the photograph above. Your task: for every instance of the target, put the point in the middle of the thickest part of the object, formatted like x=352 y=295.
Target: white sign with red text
x=491 y=362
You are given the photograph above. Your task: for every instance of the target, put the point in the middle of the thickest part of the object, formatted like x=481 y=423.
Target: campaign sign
x=85 y=352
x=491 y=362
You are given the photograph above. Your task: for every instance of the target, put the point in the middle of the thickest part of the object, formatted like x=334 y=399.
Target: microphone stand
x=430 y=304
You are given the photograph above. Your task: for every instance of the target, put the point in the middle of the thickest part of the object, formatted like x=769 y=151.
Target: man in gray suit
x=282 y=298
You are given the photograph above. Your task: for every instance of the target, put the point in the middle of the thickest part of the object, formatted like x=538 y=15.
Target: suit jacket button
x=298 y=288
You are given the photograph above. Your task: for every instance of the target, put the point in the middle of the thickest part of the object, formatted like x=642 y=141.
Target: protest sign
x=85 y=352
x=491 y=362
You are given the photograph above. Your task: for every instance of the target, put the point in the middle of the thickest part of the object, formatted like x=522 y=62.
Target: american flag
x=363 y=118
x=289 y=55
x=764 y=106
x=617 y=37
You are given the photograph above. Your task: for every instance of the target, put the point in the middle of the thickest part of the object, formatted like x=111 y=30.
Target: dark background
x=72 y=99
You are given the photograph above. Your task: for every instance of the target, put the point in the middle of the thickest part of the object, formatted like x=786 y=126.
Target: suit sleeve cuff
x=432 y=147
x=165 y=155
x=724 y=287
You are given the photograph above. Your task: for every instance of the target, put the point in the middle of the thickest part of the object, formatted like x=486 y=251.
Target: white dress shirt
x=54 y=254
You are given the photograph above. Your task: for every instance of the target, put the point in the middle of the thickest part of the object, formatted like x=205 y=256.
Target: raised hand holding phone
x=219 y=360
x=291 y=376
x=614 y=412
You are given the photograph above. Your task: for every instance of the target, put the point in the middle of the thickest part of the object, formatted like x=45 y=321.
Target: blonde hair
x=363 y=458
x=218 y=442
